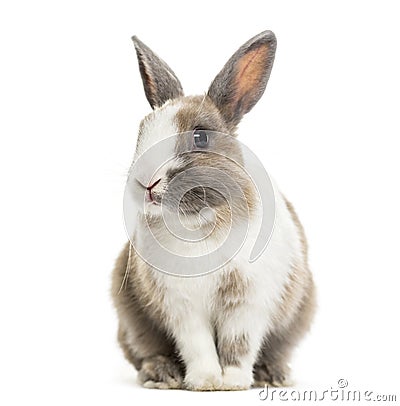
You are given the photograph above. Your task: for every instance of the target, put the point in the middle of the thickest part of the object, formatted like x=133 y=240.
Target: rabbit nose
x=154 y=184
x=151 y=187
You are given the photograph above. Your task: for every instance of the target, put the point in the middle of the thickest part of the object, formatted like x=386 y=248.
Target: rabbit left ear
x=242 y=81
x=159 y=81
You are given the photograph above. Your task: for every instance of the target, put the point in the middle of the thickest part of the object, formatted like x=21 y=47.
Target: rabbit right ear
x=159 y=81
x=242 y=81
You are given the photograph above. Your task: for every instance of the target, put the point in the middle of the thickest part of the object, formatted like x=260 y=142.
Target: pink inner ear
x=250 y=70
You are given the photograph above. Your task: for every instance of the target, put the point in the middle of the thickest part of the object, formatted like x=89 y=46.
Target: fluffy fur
x=235 y=327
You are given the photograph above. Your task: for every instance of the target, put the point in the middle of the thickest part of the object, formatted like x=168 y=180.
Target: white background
x=327 y=130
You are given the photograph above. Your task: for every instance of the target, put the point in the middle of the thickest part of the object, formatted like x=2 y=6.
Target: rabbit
x=234 y=328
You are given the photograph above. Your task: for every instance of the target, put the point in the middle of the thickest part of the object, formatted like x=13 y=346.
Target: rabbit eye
x=200 y=138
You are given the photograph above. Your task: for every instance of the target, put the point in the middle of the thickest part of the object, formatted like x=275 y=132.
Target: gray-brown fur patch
x=200 y=112
x=293 y=294
x=139 y=304
x=232 y=290
x=125 y=345
x=226 y=157
x=231 y=350
x=161 y=372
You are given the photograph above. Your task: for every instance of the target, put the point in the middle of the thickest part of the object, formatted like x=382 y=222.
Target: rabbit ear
x=242 y=81
x=159 y=81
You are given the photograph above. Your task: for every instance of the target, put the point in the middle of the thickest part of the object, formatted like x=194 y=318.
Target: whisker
x=127 y=270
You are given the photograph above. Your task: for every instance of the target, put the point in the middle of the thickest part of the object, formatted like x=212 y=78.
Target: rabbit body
x=237 y=326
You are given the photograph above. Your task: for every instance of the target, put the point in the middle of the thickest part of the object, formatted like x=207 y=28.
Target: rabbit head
x=194 y=162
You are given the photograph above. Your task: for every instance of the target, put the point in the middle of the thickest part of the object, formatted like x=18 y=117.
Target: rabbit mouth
x=179 y=200
x=151 y=201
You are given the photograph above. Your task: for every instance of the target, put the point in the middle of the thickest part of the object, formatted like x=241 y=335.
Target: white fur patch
x=158 y=126
x=155 y=152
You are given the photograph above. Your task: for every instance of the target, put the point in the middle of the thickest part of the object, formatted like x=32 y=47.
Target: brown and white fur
x=236 y=327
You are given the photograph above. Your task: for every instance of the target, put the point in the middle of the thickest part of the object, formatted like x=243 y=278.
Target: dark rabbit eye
x=200 y=138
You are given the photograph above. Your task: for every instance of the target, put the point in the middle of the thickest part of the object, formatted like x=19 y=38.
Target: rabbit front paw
x=235 y=378
x=204 y=380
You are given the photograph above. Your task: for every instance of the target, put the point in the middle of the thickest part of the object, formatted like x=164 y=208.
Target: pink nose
x=151 y=187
